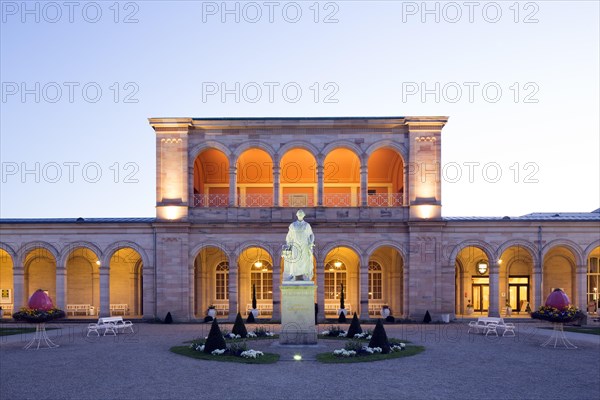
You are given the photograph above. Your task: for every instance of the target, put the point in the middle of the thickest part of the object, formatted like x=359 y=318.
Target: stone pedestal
x=298 y=313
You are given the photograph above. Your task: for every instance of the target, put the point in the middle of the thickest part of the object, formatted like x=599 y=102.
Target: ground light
x=297 y=357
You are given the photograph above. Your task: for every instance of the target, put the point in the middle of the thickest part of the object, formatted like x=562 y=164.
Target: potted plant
x=508 y=309
x=211 y=312
x=469 y=308
x=254 y=309
x=342 y=305
x=1 y=312
x=385 y=311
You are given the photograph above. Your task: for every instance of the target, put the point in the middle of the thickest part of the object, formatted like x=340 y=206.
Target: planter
x=385 y=312
x=469 y=310
x=211 y=313
x=254 y=312
x=1 y=313
x=508 y=311
x=342 y=310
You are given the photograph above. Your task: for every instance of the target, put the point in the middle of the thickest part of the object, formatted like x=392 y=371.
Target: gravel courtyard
x=454 y=365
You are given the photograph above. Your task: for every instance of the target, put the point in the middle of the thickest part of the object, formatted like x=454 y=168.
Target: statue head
x=300 y=214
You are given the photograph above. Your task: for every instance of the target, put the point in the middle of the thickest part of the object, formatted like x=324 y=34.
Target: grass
x=330 y=358
x=267 y=358
x=18 y=331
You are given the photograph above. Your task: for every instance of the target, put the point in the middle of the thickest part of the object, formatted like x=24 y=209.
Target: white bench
x=222 y=309
x=332 y=308
x=109 y=325
x=262 y=309
x=119 y=308
x=490 y=325
x=75 y=309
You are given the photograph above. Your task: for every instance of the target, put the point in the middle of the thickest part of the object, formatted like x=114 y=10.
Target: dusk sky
x=519 y=81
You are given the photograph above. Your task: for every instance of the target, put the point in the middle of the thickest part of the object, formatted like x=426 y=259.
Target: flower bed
x=38 y=316
x=552 y=314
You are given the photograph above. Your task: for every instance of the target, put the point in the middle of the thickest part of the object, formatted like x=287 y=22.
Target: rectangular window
x=329 y=286
x=375 y=286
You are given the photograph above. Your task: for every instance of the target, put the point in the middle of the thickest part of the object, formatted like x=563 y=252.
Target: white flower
x=270 y=334
x=372 y=350
x=251 y=334
x=218 y=352
x=344 y=353
x=251 y=353
x=342 y=334
x=325 y=333
x=197 y=347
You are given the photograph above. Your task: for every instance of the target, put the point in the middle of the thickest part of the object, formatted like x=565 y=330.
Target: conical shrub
x=238 y=327
x=342 y=317
x=250 y=319
x=215 y=340
x=427 y=318
x=168 y=318
x=355 y=328
x=379 y=338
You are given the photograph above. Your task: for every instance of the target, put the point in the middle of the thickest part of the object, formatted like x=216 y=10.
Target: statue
x=298 y=250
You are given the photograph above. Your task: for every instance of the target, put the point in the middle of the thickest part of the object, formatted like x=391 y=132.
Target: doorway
x=518 y=293
x=481 y=294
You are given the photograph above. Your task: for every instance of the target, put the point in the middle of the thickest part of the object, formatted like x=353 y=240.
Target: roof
x=76 y=220
x=540 y=216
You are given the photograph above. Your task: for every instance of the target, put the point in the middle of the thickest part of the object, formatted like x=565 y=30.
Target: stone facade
x=219 y=229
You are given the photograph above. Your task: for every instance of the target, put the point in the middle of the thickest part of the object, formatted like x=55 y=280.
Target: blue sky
x=79 y=83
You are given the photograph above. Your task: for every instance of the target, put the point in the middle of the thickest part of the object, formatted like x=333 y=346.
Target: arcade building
x=226 y=191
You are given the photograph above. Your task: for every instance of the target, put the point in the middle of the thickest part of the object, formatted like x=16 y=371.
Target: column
x=232 y=185
x=494 y=309
x=276 y=288
x=61 y=288
x=405 y=292
x=581 y=282
x=363 y=280
x=321 y=291
x=320 y=184
x=537 y=289
x=364 y=184
x=276 y=171
x=18 y=289
x=233 y=291
x=148 y=293
x=104 y=292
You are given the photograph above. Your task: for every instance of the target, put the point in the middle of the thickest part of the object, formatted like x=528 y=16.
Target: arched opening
x=126 y=282
x=256 y=268
x=385 y=179
x=255 y=179
x=211 y=282
x=40 y=273
x=211 y=179
x=593 y=282
x=6 y=283
x=517 y=290
x=386 y=276
x=298 y=179
x=473 y=281
x=559 y=272
x=83 y=282
x=342 y=266
x=341 y=179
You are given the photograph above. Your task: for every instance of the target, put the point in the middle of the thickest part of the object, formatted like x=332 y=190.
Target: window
x=335 y=276
x=593 y=279
x=262 y=277
x=222 y=281
x=375 y=281
x=5 y=296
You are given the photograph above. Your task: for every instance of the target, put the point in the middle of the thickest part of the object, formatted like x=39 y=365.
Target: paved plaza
x=454 y=365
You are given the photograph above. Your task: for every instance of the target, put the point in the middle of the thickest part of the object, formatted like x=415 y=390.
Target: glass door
x=481 y=297
x=518 y=293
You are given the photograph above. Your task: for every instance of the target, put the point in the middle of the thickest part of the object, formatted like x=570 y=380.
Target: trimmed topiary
x=427 y=318
x=168 y=318
x=390 y=319
x=208 y=318
x=355 y=328
x=238 y=327
x=342 y=317
x=379 y=338
x=250 y=319
x=215 y=340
